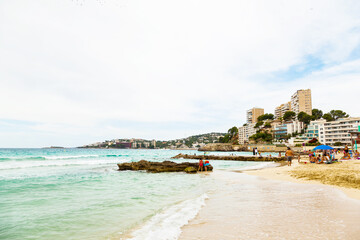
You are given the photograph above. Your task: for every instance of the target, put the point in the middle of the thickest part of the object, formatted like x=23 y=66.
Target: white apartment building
x=301 y=101
x=329 y=133
x=245 y=132
x=282 y=109
x=294 y=127
x=338 y=131
x=314 y=129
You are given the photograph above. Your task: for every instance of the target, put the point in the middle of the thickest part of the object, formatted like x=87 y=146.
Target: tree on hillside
x=267 y=125
x=289 y=115
x=231 y=136
x=304 y=117
x=334 y=115
x=316 y=114
x=328 y=117
x=266 y=116
x=259 y=124
x=262 y=136
x=233 y=131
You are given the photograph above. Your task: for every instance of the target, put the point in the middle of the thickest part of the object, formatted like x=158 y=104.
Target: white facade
x=329 y=133
x=316 y=130
x=245 y=132
x=338 y=131
x=294 y=127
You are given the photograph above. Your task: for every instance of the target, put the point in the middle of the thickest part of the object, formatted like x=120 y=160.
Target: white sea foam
x=167 y=224
x=259 y=166
x=48 y=163
x=69 y=157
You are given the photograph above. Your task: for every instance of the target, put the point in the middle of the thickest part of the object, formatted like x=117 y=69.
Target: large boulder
x=224 y=147
x=229 y=157
x=190 y=170
x=166 y=166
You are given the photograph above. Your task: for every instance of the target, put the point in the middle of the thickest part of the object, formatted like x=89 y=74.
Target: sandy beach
x=318 y=174
x=272 y=203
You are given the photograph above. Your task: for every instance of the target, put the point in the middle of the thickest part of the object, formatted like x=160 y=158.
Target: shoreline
x=269 y=203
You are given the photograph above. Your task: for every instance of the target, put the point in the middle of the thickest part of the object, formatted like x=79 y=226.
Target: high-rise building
x=245 y=132
x=253 y=114
x=301 y=101
x=280 y=110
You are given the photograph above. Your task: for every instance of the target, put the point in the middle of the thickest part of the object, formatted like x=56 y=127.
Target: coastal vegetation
x=266 y=116
x=304 y=117
x=232 y=136
x=333 y=115
x=289 y=115
x=262 y=137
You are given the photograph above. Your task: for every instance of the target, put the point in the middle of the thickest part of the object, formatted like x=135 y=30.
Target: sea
x=79 y=194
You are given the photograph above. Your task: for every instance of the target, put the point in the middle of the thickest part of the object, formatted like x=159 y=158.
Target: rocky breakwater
x=223 y=147
x=229 y=158
x=157 y=167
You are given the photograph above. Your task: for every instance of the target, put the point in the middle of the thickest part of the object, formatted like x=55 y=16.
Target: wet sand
x=242 y=206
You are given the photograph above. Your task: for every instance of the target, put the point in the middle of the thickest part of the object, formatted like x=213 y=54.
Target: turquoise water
x=78 y=194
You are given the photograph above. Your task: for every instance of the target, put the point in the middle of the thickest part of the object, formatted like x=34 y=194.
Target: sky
x=79 y=72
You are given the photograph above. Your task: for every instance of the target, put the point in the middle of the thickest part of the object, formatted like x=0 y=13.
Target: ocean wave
x=31 y=164
x=70 y=157
x=167 y=224
x=63 y=157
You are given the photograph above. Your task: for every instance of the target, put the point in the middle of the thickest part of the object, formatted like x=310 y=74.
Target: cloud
x=87 y=70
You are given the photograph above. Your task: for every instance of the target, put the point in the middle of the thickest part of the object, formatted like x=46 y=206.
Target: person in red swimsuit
x=201 y=165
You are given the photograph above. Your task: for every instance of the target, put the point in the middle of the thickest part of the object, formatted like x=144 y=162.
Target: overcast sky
x=78 y=72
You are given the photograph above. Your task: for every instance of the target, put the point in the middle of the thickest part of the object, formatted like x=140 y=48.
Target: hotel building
x=253 y=114
x=280 y=110
x=329 y=133
x=301 y=102
x=245 y=132
x=338 y=131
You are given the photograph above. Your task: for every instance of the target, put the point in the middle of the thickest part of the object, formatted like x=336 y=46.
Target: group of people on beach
x=256 y=152
x=349 y=154
x=325 y=156
x=329 y=156
x=203 y=164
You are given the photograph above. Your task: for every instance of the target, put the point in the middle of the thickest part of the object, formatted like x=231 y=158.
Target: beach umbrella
x=323 y=147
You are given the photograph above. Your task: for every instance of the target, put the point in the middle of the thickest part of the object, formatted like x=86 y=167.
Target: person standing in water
x=289 y=154
x=201 y=165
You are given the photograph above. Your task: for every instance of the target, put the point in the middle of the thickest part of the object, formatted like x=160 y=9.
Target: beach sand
x=270 y=204
x=331 y=174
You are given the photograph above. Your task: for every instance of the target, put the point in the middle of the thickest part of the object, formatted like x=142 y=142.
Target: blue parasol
x=323 y=147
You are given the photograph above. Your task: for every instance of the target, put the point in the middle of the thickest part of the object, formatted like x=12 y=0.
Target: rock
x=156 y=167
x=190 y=170
x=224 y=147
x=230 y=158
